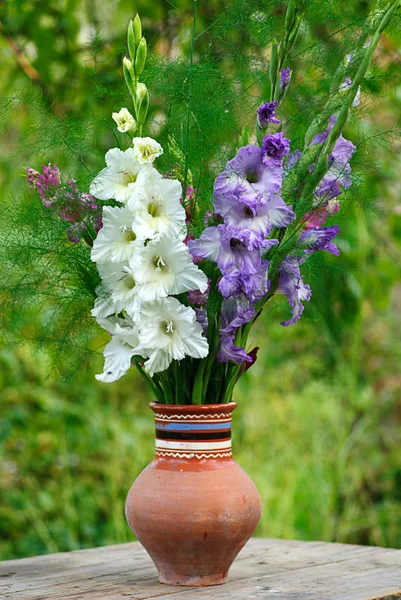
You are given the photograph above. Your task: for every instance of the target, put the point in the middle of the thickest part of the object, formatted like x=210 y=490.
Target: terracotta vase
x=193 y=508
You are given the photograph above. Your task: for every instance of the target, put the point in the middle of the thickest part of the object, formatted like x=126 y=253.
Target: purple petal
x=285 y=78
x=207 y=246
x=292 y=286
x=274 y=146
x=228 y=351
x=267 y=114
x=319 y=238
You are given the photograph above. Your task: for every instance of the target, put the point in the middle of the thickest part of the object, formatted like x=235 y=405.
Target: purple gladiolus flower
x=292 y=286
x=234 y=314
x=230 y=253
x=201 y=317
x=343 y=149
x=196 y=297
x=229 y=351
x=274 y=146
x=267 y=114
x=246 y=193
x=339 y=173
x=247 y=178
x=322 y=136
x=337 y=178
x=257 y=285
x=251 y=224
x=231 y=286
x=291 y=161
x=251 y=286
x=285 y=78
x=319 y=238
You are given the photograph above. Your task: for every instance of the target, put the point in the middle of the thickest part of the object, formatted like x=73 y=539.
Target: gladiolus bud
x=137 y=29
x=129 y=75
x=273 y=67
x=290 y=15
x=141 y=92
x=131 y=41
x=140 y=58
x=143 y=104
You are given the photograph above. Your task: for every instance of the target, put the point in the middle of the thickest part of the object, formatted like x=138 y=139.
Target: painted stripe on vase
x=160 y=425
x=193 y=446
x=186 y=455
x=189 y=417
x=193 y=435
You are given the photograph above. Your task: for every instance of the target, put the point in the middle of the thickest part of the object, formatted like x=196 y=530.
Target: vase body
x=193 y=508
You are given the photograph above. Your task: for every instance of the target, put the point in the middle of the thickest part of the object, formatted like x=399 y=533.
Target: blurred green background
x=318 y=423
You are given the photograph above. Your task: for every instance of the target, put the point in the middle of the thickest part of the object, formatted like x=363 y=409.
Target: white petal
x=158 y=361
x=190 y=278
x=117 y=361
x=116 y=241
x=102 y=186
x=146 y=149
x=128 y=335
x=168 y=330
x=104 y=307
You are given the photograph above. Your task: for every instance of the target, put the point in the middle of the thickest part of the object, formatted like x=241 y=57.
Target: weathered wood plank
x=277 y=569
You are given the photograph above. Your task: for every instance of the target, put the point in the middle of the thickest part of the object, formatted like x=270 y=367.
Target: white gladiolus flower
x=120 y=350
x=117 y=291
x=146 y=150
x=125 y=121
x=158 y=210
x=168 y=331
x=166 y=268
x=122 y=174
x=116 y=241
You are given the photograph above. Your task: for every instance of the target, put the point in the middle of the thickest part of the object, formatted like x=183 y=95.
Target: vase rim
x=225 y=408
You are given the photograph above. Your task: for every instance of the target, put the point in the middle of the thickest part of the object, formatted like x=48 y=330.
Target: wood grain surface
x=266 y=568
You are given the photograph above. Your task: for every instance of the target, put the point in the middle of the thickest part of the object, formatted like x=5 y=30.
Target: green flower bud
x=131 y=41
x=137 y=29
x=290 y=15
x=140 y=58
x=273 y=69
x=128 y=66
x=143 y=105
x=129 y=75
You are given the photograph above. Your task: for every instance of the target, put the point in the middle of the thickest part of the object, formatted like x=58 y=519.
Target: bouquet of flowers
x=180 y=284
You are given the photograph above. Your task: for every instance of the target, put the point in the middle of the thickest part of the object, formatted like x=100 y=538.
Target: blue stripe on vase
x=192 y=426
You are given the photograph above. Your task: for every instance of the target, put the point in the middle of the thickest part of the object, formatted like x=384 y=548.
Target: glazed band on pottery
x=193 y=435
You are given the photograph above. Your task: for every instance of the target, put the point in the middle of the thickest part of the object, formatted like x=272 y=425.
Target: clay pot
x=193 y=508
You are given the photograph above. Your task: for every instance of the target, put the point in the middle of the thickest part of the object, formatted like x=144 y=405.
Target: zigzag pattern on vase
x=187 y=416
x=192 y=455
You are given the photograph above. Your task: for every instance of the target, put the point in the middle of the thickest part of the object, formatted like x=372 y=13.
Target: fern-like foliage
x=207 y=73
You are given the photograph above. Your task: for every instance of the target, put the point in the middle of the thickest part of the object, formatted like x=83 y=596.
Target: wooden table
x=271 y=569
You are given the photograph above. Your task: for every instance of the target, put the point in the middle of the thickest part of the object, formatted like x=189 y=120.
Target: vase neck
x=193 y=432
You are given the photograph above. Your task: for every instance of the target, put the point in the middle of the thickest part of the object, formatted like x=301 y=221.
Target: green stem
x=179 y=384
x=167 y=389
x=184 y=191
x=154 y=386
x=231 y=380
x=197 y=392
